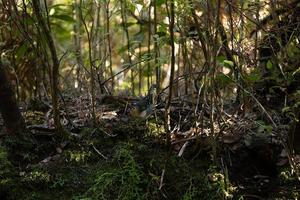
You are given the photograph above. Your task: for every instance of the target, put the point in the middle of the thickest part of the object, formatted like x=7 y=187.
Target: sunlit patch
x=76 y=84
x=176 y=48
x=74 y=71
x=78 y=156
x=108 y=115
x=234 y=90
x=147 y=2
x=226 y=70
x=199 y=13
x=138 y=9
x=107 y=63
x=52 y=11
x=166 y=20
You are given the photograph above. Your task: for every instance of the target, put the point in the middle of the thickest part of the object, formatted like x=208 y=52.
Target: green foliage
x=79 y=156
x=5 y=171
x=66 y=18
x=59 y=182
x=264 y=128
x=122 y=182
x=136 y=172
x=269 y=65
x=228 y=63
x=21 y=50
x=155 y=129
x=223 y=80
x=62 y=21
x=254 y=76
x=190 y=193
x=160 y=2
x=20 y=148
x=36 y=177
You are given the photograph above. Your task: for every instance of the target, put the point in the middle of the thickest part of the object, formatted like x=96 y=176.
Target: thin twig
x=98 y=152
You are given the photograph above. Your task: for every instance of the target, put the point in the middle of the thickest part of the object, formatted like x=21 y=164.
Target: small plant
x=79 y=156
x=121 y=182
x=5 y=171
x=221 y=183
x=58 y=183
x=36 y=177
x=191 y=192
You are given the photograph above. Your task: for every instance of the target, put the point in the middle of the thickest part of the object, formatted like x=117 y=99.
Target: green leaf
x=128 y=24
x=221 y=59
x=254 y=76
x=223 y=79
x=147 y=56
x=122 y=49
x=21 y=51
x=269 y=65
x=160 y=2
x=286 y=109
x=57 y=5
x=64 y=18
x=131 y=7
x=228 y=63
x=160 y=34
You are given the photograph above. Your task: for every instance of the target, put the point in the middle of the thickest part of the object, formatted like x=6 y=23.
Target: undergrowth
x=6 y=174
x=122 y=181
x=139 y=172
x=135 y=169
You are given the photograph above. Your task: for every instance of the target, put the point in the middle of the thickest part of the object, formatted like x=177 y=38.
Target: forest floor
x=125 y=157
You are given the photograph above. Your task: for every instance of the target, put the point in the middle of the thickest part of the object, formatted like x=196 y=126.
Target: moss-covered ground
x=126 y=161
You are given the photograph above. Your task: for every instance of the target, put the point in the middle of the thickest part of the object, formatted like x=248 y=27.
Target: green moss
x=36 y=177
x=6 y=174
x=140 y=171
x=121 y=180
x=20 y=148
x=136 y=168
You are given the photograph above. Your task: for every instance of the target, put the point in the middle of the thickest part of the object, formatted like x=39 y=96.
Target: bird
x=144 y=107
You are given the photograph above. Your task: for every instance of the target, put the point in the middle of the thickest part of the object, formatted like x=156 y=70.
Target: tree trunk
x=13 y=120
x=55 y=64
x=171 y=80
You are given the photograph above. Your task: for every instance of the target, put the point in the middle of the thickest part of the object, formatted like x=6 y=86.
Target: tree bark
x=13 y=120
x=55 y=64
x=171 y=81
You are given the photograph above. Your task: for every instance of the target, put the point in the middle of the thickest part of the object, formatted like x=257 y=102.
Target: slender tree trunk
x=171 y=81
x=108 y=38
x=185 y=63
x=55 y=63
x=124 y=22
x=256 y=32
x=13 y=120
x=90 y=36
x=77 y=43
x=140 y=70
x=149 y=50
x=156 y=50
x=178 y=72
x=96 y=35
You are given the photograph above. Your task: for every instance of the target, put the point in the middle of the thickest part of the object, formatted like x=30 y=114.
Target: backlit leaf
x=64 y=18
x=269 y=65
